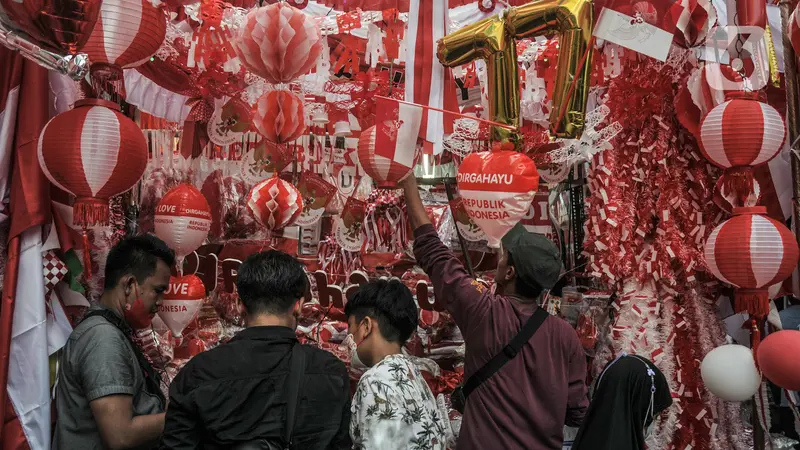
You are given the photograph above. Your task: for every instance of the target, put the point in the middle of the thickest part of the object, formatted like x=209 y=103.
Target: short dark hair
x=390 y=303
x=139 y=256
x=270 y=282
x=524 y=289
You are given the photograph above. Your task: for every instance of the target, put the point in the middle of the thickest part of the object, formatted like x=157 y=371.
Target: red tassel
x=737 y=183
x=89 y=212
x=87 y=257
x=753 y=301
x=108 y=78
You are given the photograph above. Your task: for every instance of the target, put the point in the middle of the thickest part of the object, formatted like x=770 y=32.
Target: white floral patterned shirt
x=394 y=409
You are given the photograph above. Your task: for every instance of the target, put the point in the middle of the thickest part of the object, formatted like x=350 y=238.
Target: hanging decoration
x=698 y=19
x=316 y=194
x=93 y=152
x=228 y=123
x=497 y=188
x=774 y=360
x=730 y=373
x=274 y=203
x=181 y=303
x=61 y=25
x=183 y=220
x=494 y=40
x=752 y=252
x=738 y=135
x=280 y=116
x=127 y=34
x=211 y=41
x=278 y=43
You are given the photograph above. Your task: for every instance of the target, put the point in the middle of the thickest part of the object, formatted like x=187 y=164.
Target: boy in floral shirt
x=393 y=408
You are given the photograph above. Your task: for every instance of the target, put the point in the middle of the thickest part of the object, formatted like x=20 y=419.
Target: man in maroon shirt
x=528 y=401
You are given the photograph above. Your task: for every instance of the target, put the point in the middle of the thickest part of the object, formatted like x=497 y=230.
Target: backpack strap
x=509 y=351
x=296 y=376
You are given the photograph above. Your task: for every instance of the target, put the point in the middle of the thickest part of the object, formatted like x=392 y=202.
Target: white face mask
x=355 y=361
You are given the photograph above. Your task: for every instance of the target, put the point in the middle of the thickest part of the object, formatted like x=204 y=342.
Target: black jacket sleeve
x=181 y=429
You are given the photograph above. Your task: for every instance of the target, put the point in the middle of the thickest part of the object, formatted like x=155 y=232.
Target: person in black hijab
x=629 y=394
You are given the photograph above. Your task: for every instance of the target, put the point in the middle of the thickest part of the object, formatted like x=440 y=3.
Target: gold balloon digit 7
x=494 y=40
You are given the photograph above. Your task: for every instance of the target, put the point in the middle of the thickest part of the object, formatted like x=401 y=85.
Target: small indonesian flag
x=646 y=27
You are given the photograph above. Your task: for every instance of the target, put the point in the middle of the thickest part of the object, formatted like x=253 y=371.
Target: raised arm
x=464 y=297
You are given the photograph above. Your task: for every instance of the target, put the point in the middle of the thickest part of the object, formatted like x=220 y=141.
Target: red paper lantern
x=279 y=116
x=752 y=252
x=275 y=203
x=183 y=219
x=697 y=19
x=94 y=153
x=279 y=43
x=387 y=167
x=741 y=132
x=777 y=359
x=127 y=34
x=57 y=24
x=794 y=29
x=738 y=135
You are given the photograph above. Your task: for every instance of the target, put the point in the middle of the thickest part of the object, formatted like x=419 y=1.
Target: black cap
x=536 y=258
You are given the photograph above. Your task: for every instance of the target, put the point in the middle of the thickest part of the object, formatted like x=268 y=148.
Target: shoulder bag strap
x=296 y=376
x=509 y=351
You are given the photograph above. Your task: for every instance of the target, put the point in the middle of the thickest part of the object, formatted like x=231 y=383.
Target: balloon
x=494 y=40
x=183 y=219
x=777 y=358
x=279 y=116
x=279 y=43
x=57 y=24
x=730 y=373
x=497 y=188
x=181 y=302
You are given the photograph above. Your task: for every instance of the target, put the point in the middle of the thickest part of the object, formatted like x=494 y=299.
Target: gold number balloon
x=494 y=40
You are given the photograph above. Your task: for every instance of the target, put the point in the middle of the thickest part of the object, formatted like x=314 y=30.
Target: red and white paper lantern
x=794 y=29
x=279 y=116
x=275 y=203
x=279 y=42
x=741 y=132
x=181 y=303
x=497 y=188
x=697 y=19
x=752 y=252
x=183 y=219
x=93 y=152
x=127 y=34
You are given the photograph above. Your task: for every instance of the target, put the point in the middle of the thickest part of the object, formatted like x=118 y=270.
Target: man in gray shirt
x=108 y=395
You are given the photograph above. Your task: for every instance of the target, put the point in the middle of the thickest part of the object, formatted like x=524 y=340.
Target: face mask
x=355 y=361
x=138 y=317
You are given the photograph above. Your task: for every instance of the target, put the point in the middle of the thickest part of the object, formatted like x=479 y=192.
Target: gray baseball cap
x=535 y=257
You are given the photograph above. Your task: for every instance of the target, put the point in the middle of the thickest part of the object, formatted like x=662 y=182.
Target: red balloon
x=63 y=25
x=777 y=358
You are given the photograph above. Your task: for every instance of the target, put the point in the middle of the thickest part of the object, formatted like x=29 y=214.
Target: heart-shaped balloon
x=497 y=188
x=181 y=303
x=63 y=25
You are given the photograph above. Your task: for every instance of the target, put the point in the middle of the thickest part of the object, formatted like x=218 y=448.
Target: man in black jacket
x=237 y=393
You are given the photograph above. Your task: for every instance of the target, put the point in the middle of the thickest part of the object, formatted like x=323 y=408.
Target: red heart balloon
x=63 y=25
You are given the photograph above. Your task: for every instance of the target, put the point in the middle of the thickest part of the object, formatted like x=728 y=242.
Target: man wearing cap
x=525 y=403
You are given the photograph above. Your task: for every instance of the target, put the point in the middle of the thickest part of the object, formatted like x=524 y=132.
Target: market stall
x=656 y=156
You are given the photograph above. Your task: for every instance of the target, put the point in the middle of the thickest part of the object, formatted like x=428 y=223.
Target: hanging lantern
x=275 y=203
x=738 y=135
x=279 y=116
x=387 y=164
x=183 y=219
x=697 y=19
x=279 y=43
x=127 y=34
x=94 y=153
x=794 y=29
x=59 y=25
x=752 y=252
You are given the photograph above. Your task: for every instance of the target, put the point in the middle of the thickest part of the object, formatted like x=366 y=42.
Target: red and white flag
x=388 y=151
x=29 y=334
x=646 y=27
x=427 y=82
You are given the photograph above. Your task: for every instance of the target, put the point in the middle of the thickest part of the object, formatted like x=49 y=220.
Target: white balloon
x=730 y=373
